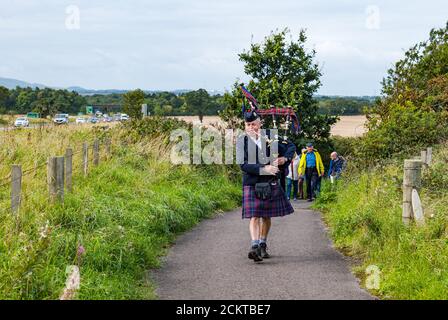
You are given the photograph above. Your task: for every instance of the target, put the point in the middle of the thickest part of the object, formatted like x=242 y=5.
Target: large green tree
x=132 y=103
x=198 y=102
x=420 y=78
x=412 y=112
x=284 y=73
x=4 y=97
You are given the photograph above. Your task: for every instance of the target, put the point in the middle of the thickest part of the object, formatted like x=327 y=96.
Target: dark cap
x=250 y=116
x=309 y=144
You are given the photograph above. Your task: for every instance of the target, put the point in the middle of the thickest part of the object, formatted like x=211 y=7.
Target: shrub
x=405 y=130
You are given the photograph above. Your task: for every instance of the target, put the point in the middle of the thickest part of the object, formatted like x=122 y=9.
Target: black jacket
x=251 y=171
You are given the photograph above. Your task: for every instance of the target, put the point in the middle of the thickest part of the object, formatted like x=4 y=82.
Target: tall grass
x=364 y=215
x=124 y=215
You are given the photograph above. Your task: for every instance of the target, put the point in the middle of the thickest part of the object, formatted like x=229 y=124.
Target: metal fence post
x=69 y=169
x=96 y=152
x=51 y=178
x=16 y=187
x=60 y=163
x=85 y=157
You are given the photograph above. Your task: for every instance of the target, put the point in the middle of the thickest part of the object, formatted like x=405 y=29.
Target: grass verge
x=124 y=215
x=364 y=215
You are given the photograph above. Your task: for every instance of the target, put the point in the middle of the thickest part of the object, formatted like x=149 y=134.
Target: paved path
x=210 y=262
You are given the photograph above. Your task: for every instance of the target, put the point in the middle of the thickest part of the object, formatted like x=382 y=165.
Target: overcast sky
x=155 y=44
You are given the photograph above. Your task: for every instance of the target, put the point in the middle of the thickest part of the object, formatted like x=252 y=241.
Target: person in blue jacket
x=337 y=165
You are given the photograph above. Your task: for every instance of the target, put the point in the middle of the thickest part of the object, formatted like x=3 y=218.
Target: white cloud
x=190 y=44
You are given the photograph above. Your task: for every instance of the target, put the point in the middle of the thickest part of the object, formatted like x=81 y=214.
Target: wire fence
x=59 y=173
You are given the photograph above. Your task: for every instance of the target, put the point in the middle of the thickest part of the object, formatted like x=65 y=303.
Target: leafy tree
x=283 y=73
x=407 y=129
x=132 y=103
x=413 y=109
x=4 y=97
x=198 y=102
x=24 y=100
x=419 y=76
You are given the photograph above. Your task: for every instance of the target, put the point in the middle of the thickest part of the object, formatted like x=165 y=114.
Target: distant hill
x=12 y=83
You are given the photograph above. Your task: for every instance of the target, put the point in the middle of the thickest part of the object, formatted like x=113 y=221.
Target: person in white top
x=292 y=180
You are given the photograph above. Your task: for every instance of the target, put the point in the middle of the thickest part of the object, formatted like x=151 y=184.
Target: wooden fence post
x=85 y=157
x=16 y=187
x=69 y=169
x=60 y=162
x=428 y=156
x=51 y=178
x=411 y=180
x=424 y=158
x=108 y=148
x=55 y=178
x=96 y=152
x=35 y=168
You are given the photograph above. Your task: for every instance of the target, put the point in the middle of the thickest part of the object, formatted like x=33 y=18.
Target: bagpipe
x=290 y=118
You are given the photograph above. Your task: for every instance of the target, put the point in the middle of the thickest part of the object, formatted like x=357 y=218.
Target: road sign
x=33 y=115
x=89 y=110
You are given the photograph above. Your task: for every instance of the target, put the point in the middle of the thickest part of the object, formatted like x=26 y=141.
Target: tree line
x=43 y=101
x=48 y=102
x=344 y=105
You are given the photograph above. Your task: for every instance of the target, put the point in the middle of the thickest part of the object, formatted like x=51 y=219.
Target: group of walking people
x=308 y=169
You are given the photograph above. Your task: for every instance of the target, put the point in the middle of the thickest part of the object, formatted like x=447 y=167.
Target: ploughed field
x=347 y=126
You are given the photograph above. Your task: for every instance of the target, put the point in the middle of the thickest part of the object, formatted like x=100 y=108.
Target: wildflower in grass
x=81 y=250
x=121 y=230
x=79 y=253
x=44 y=231
x=72 y=283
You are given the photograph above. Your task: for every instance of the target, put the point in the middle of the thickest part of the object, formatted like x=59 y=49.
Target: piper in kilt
x=259 y=174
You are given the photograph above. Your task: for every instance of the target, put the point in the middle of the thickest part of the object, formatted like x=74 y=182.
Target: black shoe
x=264 y=253
x=255 y=254
x=310 y=200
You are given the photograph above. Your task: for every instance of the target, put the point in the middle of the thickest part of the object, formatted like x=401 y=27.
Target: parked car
x=81 y=120
x=21 y=122
x=61 y=118
x=124 y=117
x=93 y=120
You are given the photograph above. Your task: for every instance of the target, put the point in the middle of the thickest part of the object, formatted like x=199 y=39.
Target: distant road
x=35 y=126
x=348 y=126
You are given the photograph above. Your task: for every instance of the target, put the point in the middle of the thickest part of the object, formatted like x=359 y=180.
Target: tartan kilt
x=253 y=207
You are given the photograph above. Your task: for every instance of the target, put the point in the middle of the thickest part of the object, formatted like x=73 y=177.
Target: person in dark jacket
x=337 y=165
x=259 y=167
